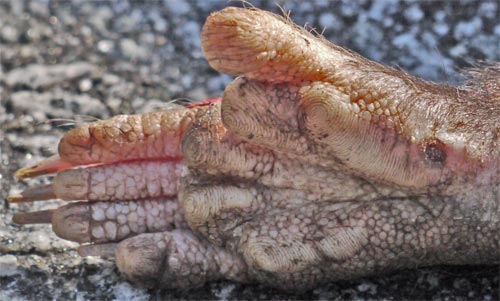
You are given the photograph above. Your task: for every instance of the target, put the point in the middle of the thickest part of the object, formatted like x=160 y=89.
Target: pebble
x=17 y=7
x=40 y=239
x=124 y=291
x=441 y=28
x=42 y=76
x=217 y=84
x=190 y=33
x=105 y=46
x=489 y=9
x=128 y=23
x=458 y=50
x=109 y=79
x=57 y=104
x=9 y=34
x=100 y=19
x=40 y=8
x=367 y=287
x=326 y=20
x=350 y=8
x=130 y=49
x=224 y=293
x=433 y=281
x=49 y=142
x=414 y=13
x=382 y=8
x=85 y=85
x=178 y=7
x=467 y=28
x=8 y=265
x=496 y=30
x=159 y=24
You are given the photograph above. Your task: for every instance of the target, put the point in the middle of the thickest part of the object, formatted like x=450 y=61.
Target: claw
x=40 y=193
x=101 y=250
x=36 y=217
x=47 y=166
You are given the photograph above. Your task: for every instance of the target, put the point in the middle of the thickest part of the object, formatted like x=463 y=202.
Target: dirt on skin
x=62 y=64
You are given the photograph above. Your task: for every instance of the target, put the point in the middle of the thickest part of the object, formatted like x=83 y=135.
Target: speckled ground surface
x=68 y=62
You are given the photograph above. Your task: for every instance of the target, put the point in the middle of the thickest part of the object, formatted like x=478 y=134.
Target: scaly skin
x=316 y=165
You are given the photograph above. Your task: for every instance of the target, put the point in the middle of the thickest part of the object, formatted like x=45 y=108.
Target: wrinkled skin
x=316 y=165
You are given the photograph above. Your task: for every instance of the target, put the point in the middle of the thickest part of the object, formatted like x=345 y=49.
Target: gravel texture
x=63 y=63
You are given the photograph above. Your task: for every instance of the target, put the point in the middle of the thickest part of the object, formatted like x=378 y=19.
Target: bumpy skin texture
x=316 y=165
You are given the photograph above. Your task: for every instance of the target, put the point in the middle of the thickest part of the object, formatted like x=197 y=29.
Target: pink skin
x=316 y=165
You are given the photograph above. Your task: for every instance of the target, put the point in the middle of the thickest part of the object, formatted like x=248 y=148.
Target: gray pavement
x=63 y=63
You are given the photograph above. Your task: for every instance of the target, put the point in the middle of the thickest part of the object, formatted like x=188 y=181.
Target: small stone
x=467 y=29
x=148 y=39
x=17 y=7
x=41 y=76
x=128 y=22
x=85 y=85
x=109 y=79
x=159 y=24
x=57 y=103
x=433 y=280
x=326 y=20
x=349 y=8
x=488 y=9
x=9 y=34
x=189 y=33
x=40 y=240
x=224 y=293
x=8 y=265
x=458 y=50
x=177 y=7
x=125 y=291
x=40 y=8
x=105 y=46
x=413 y=14
x=367 y=287
x=131 y=50
x=441 y=28
x=100 y=18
